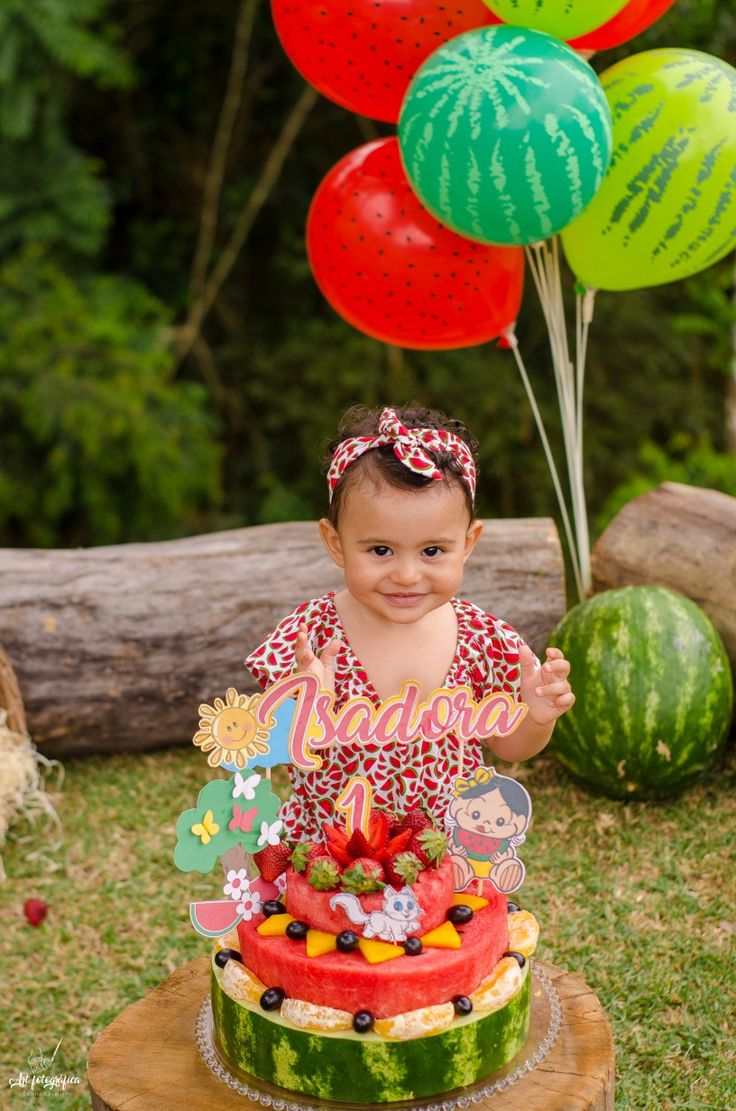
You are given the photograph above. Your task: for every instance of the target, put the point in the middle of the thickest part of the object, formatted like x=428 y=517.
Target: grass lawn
x=638 y=899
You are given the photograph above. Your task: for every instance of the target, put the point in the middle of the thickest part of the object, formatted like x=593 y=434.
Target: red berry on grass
x=35 y=911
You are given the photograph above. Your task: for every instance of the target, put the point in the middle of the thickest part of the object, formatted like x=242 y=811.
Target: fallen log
x=679 y=536
x=115 y=647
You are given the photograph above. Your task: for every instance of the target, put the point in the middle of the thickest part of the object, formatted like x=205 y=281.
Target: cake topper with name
x=293 y=721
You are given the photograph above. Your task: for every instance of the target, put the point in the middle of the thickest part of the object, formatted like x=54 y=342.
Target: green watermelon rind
x=366 y=1068
x=654 y=693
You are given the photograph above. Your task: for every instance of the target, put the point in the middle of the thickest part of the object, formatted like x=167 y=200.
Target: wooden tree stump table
x=147 y=1058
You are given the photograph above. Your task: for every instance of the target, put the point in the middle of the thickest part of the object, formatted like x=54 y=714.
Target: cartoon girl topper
x=487 y=819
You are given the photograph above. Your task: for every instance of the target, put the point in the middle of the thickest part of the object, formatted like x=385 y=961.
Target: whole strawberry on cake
x=370 y=978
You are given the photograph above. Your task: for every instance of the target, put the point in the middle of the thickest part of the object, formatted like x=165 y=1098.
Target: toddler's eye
x=432 y=551
x=380 y=549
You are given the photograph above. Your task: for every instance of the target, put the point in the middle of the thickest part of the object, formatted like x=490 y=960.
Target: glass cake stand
x=544 y=1026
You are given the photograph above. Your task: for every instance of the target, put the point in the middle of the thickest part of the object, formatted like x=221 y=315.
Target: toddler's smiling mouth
x=403 y=598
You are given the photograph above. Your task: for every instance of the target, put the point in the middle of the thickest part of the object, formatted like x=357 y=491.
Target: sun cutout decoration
x=229 y=731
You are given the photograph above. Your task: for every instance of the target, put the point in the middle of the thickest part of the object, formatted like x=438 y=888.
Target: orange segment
x=319 y=942
x=523 y=932
x=500 y=987
x=240 y=983
x=377 y=951
x=227 y=941
x=443 y=937
x=416 y=1024
x=312 y=1017
x=475 y=902
x=275 y=926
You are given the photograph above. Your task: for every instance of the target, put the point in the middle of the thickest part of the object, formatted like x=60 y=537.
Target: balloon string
x=544 y=263
x=542 y=266
x=513 y=343
x=575 y=428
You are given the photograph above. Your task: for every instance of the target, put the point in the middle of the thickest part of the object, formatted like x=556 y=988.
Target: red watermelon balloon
x=363 y=53
x=393 y=271
x=630 y=21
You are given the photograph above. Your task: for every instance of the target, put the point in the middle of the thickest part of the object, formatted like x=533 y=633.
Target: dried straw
x=22 y=767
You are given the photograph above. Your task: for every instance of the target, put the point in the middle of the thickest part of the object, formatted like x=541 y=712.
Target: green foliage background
x=107 y=113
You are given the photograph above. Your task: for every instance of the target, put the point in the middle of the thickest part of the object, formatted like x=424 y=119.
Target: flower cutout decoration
x=249 y=904
x=280 y=882
x=236 y=883
x=270 y=834
x=245 y=788
x=229 y=731
x=243 y=819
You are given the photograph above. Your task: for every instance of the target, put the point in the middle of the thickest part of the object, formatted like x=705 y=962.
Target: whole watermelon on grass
x=653 y=689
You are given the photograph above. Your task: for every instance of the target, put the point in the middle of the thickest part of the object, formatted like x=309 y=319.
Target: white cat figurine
x=398 y=918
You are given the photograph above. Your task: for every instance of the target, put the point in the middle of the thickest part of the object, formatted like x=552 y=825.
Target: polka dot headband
x=410 y=446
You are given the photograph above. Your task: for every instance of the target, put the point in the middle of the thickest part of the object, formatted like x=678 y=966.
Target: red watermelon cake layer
x=348 y=982
x=433 y=890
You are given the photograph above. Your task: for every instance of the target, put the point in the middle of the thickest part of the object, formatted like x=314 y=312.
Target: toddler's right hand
x=323 y=666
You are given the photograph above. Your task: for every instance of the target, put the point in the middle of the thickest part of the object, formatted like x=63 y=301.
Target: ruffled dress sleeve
x=274 y=658
x=491 y=648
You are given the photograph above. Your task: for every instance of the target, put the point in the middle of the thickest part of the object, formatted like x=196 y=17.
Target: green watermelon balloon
x=667 y=207
x=567 y=20
x=505 y=135
x=653 y=688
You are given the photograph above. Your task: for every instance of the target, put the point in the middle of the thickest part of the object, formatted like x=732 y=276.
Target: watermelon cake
x=370 y=979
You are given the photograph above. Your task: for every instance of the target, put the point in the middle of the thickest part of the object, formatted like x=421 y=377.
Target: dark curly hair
x=381 y=463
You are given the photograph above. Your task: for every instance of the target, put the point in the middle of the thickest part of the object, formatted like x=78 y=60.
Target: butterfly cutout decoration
x=243 y=819
x=245 y=788
x=270 y=834
x=206 y=829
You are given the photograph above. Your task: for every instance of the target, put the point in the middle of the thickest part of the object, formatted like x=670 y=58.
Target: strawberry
x=416 y=820
x=363 y=876
x=403 y=869
x=337 y=844
x=35 y=911
x=430 y=846
x=273 y=861
x=303 y=853
x=359 y=846
x=391 y=818
x=377 y=831
x=323 y=873
x=400 y=842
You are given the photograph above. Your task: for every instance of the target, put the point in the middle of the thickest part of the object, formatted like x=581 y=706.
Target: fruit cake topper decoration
x=236 y=820
x=487 y=818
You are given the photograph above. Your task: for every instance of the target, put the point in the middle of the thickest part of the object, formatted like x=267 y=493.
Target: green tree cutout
x=218 y=822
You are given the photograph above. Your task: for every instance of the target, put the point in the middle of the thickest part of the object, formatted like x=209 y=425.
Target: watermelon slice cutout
x=214 y=917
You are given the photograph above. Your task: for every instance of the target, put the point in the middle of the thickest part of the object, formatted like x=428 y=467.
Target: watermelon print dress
x=486 y=659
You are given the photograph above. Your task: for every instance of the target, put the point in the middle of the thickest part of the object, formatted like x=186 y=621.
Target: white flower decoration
x=250 y=903
x=280 y=882
x=270 y=833
x=237 y=883
x=245 y=788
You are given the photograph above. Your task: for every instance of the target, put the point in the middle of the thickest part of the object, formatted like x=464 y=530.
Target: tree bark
x=679 y=536
x=116 y=647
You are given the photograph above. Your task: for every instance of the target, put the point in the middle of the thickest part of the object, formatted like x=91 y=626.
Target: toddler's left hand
x=546 y=691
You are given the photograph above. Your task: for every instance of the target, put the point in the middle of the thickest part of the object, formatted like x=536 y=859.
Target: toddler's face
x=402 y=551
x=488 y=814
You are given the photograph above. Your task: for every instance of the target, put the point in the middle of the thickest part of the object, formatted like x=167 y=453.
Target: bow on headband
x=410 y=446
